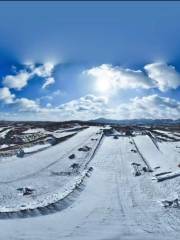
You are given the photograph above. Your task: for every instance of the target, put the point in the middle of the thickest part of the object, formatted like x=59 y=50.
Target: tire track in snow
x=136 y=215
x=79 y=225
x=148 y=222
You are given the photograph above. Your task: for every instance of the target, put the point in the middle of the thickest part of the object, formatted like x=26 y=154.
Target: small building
x=108 y=130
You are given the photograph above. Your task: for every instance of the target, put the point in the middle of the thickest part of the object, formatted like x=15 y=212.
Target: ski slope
x=114 y=204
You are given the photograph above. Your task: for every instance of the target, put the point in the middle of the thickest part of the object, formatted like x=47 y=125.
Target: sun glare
x=103 y=85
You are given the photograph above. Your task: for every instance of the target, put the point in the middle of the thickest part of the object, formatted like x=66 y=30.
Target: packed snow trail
x=113 y=205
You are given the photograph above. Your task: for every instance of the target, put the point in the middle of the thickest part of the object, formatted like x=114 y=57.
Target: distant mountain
x=100 y=121
x=136 y=121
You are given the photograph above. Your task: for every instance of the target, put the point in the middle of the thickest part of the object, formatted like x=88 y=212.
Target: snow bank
x=167 y=176
x=36 y=147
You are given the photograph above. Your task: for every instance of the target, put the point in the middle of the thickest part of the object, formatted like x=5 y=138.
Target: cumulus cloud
x=21 y=104
x=152 y=106
x=86 y=107
x=6 y=96
x=44 y=70
x=90 y=107
x=88 y=104
x=165 y=76
x=17 y=81
x=49 y=81
x=110 y=78
x=26 y=105
x=21 y=78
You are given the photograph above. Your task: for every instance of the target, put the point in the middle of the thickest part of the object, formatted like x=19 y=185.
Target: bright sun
x=103 y=85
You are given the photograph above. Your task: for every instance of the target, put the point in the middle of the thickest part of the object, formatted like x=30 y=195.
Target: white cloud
x=6 y=96
x=17 y=81
x=20 y=79
x=21 y=104
x=49 y=81
x=90 y=107
x=84 y=106
x=152 y=106
x=165 y=76
x=26 y=105
x=110 y=78
x=44 y=70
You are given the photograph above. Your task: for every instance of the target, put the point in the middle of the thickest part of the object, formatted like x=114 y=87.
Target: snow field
x=37 y=171
x=113 y=205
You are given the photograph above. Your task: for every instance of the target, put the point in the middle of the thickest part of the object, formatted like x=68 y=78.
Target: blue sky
x=75 y=60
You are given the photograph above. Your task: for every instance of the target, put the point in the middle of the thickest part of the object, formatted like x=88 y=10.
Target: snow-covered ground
x=36 y=147
x=3 y=146
x=61 y=130
x=45 y=172
x=63 y=134
x=168 y=135
x=4 y=132
x=58 y=133
x=113 y=204
x=162 y=157
x=34 y=130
